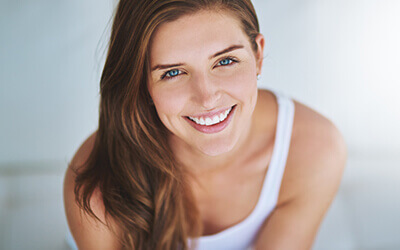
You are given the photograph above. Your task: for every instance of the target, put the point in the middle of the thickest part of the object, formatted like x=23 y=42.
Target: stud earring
x=258 y=76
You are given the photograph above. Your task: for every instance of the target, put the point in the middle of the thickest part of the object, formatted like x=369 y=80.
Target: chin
x=217 y=149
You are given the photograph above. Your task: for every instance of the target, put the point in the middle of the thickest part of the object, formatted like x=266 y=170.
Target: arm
x=294 y=223
x=87 y=232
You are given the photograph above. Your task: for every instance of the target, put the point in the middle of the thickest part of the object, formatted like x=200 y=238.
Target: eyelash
x=164 y=76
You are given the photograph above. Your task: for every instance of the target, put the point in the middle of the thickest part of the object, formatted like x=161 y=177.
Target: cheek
x=243 y=83
x=168 y=102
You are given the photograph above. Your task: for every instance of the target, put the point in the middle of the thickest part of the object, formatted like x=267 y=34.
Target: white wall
x=342 y=58
x=50 y=64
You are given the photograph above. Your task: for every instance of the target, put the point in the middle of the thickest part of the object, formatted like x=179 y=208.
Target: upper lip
x=211 y=113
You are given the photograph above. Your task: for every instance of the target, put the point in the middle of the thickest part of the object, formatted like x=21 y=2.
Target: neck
x=200 y=165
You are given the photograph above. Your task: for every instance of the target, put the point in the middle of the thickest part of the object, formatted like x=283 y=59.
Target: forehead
x=196 y=35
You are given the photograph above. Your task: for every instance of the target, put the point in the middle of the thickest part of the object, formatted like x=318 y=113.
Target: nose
x=206 y=91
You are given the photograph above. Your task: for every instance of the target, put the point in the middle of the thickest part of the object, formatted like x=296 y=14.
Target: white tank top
x=242 y=235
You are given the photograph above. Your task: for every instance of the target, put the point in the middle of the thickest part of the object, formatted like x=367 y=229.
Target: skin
x=205 y=84
x=235 y=160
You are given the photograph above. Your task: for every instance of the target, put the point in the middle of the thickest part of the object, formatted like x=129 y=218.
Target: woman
x=188 y=152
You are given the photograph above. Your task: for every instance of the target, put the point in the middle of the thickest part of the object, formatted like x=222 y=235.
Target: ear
x=260 y=40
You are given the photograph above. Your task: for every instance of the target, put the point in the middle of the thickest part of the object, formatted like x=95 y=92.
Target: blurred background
x=341 y=58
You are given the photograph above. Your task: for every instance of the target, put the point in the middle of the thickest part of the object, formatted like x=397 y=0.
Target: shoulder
x=313 y=171
x=87 y=232
x=83 y=152
x=317 y=155
x=315 y=132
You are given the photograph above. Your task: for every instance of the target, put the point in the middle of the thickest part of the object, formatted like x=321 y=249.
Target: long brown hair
x=143 y=187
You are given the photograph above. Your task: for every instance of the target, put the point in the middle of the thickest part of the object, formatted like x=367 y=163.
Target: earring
x=258 y=76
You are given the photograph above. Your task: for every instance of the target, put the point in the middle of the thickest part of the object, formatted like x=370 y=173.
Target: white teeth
x=211 y=121
x=215 y=119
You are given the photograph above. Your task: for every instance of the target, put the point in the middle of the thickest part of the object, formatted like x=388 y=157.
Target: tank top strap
x=272 y=182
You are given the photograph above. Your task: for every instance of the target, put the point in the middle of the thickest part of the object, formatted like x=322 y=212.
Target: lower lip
x=213 y=128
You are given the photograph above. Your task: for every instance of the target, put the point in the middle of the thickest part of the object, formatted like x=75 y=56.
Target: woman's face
x=203 y=80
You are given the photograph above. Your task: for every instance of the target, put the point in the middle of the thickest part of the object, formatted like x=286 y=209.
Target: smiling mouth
x=209 y=121
x=212 y=124
x=212 y=120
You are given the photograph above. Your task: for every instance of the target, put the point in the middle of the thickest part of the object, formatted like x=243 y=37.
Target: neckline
x=265 y=184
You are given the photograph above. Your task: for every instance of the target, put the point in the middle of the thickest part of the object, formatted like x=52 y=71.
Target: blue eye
x=176 y=72
x=226 y=61
x=171 y=73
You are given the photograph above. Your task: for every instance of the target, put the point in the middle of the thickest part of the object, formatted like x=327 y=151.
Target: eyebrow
x=229 y=49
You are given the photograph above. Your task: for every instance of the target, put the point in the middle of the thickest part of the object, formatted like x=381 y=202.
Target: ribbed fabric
x=242 y=235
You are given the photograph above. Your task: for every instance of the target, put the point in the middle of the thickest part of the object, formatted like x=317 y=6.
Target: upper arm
x=87 y=232
x=316 y=179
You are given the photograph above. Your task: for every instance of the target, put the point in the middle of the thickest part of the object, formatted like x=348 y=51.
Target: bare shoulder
x=317 y=156
x=87 y=232
x=313 y=172
x=83 y=152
